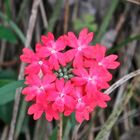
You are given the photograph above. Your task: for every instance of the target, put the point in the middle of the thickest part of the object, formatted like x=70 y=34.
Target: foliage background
x=116 y=25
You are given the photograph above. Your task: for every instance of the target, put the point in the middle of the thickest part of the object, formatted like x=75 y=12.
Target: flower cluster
x=67 y=75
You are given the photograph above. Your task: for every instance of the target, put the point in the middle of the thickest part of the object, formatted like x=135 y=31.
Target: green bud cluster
x=65 y=72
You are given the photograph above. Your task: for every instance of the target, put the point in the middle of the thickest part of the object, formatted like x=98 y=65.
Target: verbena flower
x=52 y=49
x=67 y=75
x=80 y=47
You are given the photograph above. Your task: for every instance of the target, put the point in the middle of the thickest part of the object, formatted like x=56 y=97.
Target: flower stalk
x=60 y=128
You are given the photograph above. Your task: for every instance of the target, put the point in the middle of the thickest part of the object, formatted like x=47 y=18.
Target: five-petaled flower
x=67 y=75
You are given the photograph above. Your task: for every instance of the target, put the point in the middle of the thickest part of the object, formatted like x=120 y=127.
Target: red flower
x=94 y=79
x=37 y=87
x=80 y=47
x=67 y=79
x=108 y=62
x=36 y=64
x=42 y=105
x=37 y=110
x=84 y=105
x=51 y=113
x=100 y=99
x=52 y=49
x=61 y=95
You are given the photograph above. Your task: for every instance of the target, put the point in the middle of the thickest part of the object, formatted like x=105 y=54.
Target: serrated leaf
x=92 y=27
x=7 y=92
x=77 y=23
x=88 y=18
x=7 y=34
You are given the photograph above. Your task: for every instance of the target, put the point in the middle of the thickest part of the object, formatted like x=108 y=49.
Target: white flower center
x=40 y=62
x=53 y=51
x=79 y=100
x=41 y=88
x=100 y=64
x=91 y=79
x=62 y=95
x=79 y=48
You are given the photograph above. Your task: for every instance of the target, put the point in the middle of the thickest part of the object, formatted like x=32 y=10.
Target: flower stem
x=60 y=128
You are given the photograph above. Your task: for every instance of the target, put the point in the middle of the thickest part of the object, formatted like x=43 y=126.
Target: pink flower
x=89 y=104
x=67 y=75
x=50 y=113
x=61 y=95
x=108 y=62
x=78 y=95
x=84 y=105
x=52 y=49
x=68 y=111
x=100 y=99
x=80 y=47
x=38 y=87
x=37 y=110
x=28 y=56
x=94 y=79
x=36 y=64
x=43 y=106
x=80 y=108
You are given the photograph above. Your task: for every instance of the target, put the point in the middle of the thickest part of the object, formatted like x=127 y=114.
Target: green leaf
x=73 y=121
x=6 y=112
x=7 y=92
x=67 y=130
x=7 y=34
x=5 y=81
x=78 y=25
x=7 y=8
x=54 y=134
x=8 y=74
x=14 y=27
x=88 y=18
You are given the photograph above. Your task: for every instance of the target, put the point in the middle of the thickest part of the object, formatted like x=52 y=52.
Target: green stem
x=123 y=43
x=114 y=116
x=60 y=128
